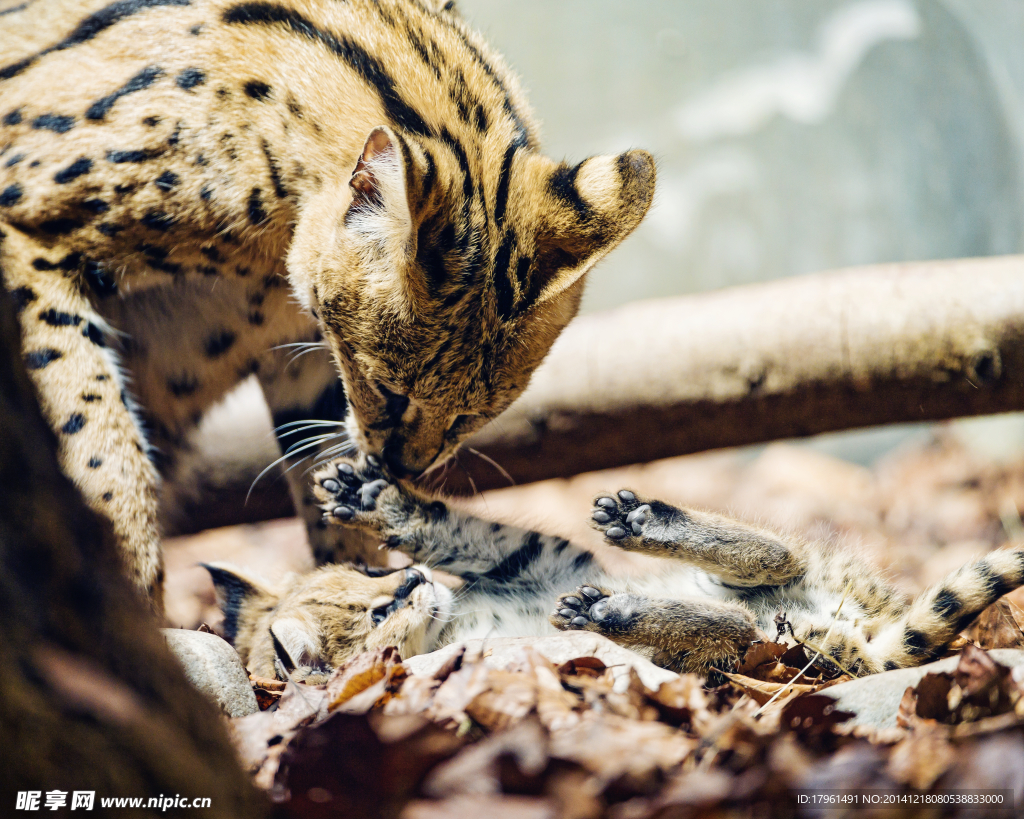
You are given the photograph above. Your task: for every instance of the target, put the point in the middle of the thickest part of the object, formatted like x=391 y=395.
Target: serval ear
x=580 y=212
x=588 y=209
x=380 y=202
x=598 y=203
x=282 y=655
x=242 y=598
x=296 y=643
x=446 y=7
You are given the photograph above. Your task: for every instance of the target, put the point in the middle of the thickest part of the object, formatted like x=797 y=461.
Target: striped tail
x=939 y=614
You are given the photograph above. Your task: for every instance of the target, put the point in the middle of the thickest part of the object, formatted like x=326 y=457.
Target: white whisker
x=306 y=344
x=264 y=472
x=313 y=426
x=493 y=463
x=298 y=446
x=465 y=471
x=338 y=451
x=312 y=422
x=441 y=469
x=299 y=355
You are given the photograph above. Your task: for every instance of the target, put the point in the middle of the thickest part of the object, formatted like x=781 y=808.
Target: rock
x=213 y=667
x=558 y=648
x=875 y=700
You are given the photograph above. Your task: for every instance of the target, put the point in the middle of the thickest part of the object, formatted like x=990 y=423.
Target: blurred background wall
x=791 y=137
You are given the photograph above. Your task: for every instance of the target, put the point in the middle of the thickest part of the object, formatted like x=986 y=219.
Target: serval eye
x=394 y=404
x=376 y=571
x=459 y=422
x=380 y=614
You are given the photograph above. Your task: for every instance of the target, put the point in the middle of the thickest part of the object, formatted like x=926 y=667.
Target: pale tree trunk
x=884 y=344
x=833 y=351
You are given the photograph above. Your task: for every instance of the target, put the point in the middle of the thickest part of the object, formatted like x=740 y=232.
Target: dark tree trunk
x=90 y=698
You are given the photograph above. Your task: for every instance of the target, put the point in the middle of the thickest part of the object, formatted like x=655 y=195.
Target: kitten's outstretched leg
x=688 y=635
x=489 y=556
x=738 y=553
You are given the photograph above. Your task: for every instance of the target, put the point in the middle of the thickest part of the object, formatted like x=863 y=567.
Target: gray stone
x=875 y=699
x=213 y=666
x=558 y=648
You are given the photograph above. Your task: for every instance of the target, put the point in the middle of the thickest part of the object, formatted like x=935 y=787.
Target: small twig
x=825 y=654
x=818 y=653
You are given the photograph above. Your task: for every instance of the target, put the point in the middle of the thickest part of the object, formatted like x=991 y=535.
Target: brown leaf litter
x=535 y=739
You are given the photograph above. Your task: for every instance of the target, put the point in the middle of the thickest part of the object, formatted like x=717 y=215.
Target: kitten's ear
x=588 y=209
x=281 y=653
x=380 y=200
x=295 y=643
x=242 y=598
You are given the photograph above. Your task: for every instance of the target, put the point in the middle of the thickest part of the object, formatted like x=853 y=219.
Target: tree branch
x=833 y=351
x=884 y=344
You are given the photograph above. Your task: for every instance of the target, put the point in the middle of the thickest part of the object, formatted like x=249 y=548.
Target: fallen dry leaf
x=760 y=653
x=997 y=627
x=377 y=673
x=682 y=702
x=475 y=807
x=616 y=749
x=761 y=692
x=508 y=698
x=359 y=765
x=479 y=769
x=812 y=718
x=267 y=691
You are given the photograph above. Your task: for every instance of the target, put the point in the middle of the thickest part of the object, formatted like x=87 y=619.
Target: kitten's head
x=441 y=276
x=317 y=621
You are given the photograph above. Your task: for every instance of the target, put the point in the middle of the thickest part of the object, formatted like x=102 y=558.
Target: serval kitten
x=723 y=584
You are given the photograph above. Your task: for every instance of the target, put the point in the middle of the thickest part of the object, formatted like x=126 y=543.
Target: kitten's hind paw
x=621 y=517
x=581 y=609
x=350 y=490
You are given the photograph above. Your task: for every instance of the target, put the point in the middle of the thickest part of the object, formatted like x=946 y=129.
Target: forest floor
x=536 y=740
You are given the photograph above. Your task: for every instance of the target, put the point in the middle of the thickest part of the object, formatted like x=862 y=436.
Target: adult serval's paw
x=620 y=517
x=581 y=610
x=352 y=491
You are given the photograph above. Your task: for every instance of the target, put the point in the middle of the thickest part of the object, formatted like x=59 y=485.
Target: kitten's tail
x=939 y=614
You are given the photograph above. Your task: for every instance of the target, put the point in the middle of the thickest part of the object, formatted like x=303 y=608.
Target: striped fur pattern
x=189 y=186
x=724 y=584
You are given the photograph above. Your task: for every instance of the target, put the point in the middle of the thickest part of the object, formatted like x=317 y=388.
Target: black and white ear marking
x=592 y=207
x=296 y=652
x=233 y=591
x=281 y=653
x=380 y=214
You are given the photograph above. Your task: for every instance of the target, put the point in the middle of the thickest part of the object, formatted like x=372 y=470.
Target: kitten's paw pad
x=349 y=489
x=621 y=516
x=582 y=609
